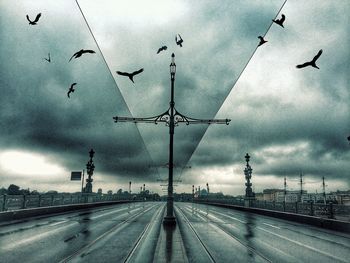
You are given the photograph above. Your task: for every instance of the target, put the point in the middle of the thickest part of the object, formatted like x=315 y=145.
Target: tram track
x=82 y=249
x=143 y=234
x=202 y=215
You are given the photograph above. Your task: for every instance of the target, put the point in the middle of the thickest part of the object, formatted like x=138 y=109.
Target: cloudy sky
x=289 y=120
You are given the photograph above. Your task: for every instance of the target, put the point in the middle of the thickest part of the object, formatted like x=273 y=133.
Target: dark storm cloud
x=36 y=114
x=286 y=136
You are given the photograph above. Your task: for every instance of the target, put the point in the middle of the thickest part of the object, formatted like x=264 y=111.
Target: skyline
x=289 y=120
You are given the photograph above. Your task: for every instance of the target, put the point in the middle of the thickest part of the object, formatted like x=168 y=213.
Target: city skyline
x=289 y=120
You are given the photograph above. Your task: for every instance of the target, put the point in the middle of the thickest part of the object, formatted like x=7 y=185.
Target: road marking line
x=108 y=213
x=58 y=223
x=272 y=226
x=232 y=217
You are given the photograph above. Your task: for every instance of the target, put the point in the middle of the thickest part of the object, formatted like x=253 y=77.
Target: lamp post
x=90 y=167
x=171 y=118
x=249 y=195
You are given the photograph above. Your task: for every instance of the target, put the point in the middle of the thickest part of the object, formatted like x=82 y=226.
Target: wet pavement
x=135 y=233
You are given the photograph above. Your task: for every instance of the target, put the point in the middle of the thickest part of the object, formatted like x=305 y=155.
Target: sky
x=289 y=120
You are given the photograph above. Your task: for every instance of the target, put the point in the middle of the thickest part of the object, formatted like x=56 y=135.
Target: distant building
x=342 y=197
x=99 y=191
x=259 y=196
x=290 y=197
x=270 y=194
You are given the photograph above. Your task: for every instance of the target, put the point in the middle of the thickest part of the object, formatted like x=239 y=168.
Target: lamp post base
x=169 y=221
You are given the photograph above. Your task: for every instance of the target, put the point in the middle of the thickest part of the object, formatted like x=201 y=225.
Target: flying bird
x=35 y=20
x=349 y=138
x=48 y=59
x=81 y=52
x=311 y=63
x=71 y=89
x=180 y=41
x=262 y=41
x=280 y=21
x=161 y=49
x=130 y=75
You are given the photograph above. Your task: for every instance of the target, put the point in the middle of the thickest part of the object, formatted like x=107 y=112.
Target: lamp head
x=247 y=157
x=91 y=153
x=172 y=64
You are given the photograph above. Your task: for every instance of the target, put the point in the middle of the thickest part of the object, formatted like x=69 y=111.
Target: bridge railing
x=16 y=202
x=329 y=210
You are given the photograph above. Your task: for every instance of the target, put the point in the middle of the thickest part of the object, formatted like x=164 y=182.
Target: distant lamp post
x=192 y=193
x=249 y=195
x=90 y=167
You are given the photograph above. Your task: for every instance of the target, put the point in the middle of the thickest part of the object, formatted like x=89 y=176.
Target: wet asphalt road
x=134 y=233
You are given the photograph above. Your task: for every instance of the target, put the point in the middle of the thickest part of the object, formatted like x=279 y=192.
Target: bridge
x=133 y=232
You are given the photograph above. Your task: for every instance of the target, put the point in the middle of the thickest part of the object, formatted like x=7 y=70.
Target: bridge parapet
x=17 y=202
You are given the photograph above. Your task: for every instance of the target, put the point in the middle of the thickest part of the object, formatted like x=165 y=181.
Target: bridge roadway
x=133 y=233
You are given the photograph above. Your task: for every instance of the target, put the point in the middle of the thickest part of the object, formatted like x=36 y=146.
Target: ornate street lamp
x=171 y=118
x=249 y=195
x=90 y=167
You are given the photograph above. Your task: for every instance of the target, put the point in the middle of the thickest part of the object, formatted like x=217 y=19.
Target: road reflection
x=169 y=231
x=85 y=225
x=249 y=235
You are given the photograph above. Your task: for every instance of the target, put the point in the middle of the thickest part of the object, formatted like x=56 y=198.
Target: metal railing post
x=4 y=204
x=24 y=202
x=331 y=212
x=312 y=212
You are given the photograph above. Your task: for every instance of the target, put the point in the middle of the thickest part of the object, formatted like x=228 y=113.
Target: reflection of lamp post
x=90 y=167
x=249 y=195
x=171 y=118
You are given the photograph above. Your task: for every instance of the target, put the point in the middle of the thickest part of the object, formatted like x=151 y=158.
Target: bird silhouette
x=280 y=21
x=180 y=41
x=71 y=89
x=130 y=75
x=311 y=63
x=262 y=41
x=161 y=49
x=349 y=138
x=81 y=52
x=48 y=59
x=35 y=20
